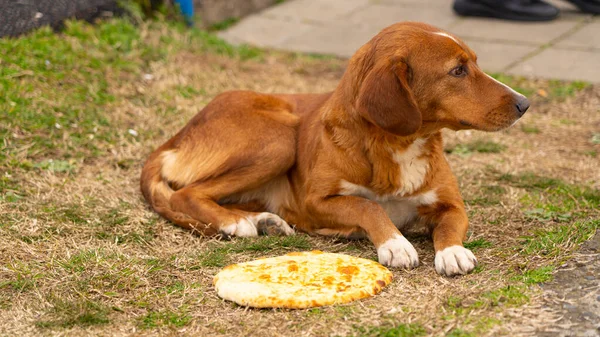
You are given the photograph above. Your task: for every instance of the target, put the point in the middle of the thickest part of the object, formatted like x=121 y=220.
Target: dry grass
x=81 y=253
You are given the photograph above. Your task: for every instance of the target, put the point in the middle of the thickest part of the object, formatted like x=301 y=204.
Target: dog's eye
x=459 y=71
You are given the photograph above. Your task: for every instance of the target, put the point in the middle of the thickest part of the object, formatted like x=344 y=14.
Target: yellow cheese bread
x=301 y=280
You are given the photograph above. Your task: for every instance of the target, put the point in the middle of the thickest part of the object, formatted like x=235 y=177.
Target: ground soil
x=575 y=294
x=81 y=253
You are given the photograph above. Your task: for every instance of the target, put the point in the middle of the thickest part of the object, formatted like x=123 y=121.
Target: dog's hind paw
x=271 y=224
x=454 y=260
x=242 y=228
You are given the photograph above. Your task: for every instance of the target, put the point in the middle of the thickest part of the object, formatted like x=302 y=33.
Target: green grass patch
x=71 y=213
x=24 y=280
x=218 y=256
x=478 y=244
x=552 y=89
x=189 y=91
x=314 y=312
x=214 y=258
x=11 y=196
x=566 y=121
x=56 y=87
x=208 y=42
x=82 y=313
x=480 y=146
x=553 y=199
x=224 y=24
x=487 y=195
x=535 y=276
x=269 y=243
x=554 y=242
x=20 y=284
x=111 y=227
x=510 y=295
x=484 y=324
x=77 y=262
x=168 y=318
x=563 y=89
x=401 y=330
x=530 y=180
x=459 y=333
x=57 y=166
x=317 y=56
x=344 y=310
x=545 y=214
x=530 y=129
x=517 y=83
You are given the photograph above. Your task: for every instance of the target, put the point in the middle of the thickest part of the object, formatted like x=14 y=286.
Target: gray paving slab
x=262 y=31
x=497 y=56
x=314 y=10
x=442 y=3
x=340 y=38
x=563 y=5
x=588 y=37
x=382 y=16
x=524 y=32
x=561 y=64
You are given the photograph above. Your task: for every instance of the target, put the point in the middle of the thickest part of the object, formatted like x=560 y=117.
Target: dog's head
x=413 y=76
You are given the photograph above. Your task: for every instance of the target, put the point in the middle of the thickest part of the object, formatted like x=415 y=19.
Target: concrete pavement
x=567 y=48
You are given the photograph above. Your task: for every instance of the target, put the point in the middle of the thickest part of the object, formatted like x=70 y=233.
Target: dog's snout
x=522 y=105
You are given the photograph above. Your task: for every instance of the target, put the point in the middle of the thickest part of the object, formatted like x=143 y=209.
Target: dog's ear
x=386 y=100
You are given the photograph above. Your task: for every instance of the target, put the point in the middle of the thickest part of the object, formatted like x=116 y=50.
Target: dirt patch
x=575 y=294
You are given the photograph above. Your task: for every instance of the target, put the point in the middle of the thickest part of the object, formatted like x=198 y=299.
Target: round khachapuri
x=301 y=280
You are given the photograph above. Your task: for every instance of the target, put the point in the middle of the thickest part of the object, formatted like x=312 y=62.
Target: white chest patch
x=413 y=169
x=401 y=210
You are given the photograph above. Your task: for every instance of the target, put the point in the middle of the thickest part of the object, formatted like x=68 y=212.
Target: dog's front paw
x=271 y=224
x=242 y=228
x=454 y=260
x=398 y=252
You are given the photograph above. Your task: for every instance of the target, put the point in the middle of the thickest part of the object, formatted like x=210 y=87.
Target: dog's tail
x=157 y=193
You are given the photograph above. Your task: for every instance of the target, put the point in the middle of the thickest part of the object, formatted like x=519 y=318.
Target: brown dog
x=363 y=160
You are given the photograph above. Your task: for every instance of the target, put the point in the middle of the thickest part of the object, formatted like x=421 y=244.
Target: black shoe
x=515 y=10
x=588 y=6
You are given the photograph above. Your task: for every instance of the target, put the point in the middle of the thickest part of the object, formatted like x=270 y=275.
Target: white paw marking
x=454 y=260
x=242 y=228
x=247 y=227
x=398 y=252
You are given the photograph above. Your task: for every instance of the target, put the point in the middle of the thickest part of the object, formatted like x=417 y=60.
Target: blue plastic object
x=187 y=9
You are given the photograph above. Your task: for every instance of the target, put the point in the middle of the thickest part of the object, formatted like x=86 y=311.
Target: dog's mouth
x=465 y=123
x=496 y=120
x=501 y=126
x=489 y=125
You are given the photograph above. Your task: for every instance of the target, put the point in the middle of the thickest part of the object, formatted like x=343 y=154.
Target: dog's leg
x=266 y=223
x=392 y=248
x=449 y=230
x=200 y=201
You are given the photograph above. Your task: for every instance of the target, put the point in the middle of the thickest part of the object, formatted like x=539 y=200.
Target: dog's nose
x=522 y=105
